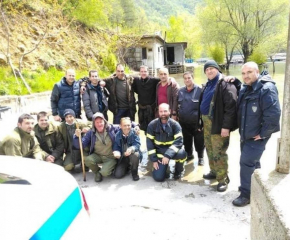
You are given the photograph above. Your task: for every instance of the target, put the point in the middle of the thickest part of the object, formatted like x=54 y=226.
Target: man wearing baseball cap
x=218 y=113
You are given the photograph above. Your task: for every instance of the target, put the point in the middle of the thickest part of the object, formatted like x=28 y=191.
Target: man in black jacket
x=218 y=111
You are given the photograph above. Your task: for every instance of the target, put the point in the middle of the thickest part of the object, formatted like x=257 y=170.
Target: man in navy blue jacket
x=258 y=117
x=126 y=150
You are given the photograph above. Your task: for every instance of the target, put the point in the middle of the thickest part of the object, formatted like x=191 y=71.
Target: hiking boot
x=209 y=176
x=200 y=162
x=98 y=177
x=78 y=168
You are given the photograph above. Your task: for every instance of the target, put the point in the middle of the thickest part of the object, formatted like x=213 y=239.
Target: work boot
x=241 y=201
x=222 y=186
x=200 y=162
x=209 y=175
x=98 y=177
x=135 y=175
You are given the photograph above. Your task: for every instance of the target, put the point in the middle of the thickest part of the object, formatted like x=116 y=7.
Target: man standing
x=122 y=101
x=188 y=114
x=145 y=87
x=258 y=117
x=164 y=142
x=126 y=150
x=49 y=139
x=66 y=95
x=22 y=141
x=218 y=111
x=72 y=159
x=167 y=92
x=100 y=140
x=94 y=97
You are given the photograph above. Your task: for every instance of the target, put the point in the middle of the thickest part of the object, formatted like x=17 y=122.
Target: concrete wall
x=270 y=206
x=31 y=104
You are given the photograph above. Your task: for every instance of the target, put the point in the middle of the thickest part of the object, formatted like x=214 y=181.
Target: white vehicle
x=39 y=200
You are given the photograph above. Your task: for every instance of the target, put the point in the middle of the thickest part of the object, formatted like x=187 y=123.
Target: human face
x=211 y=73
x=43 y=122
x=163 y=75
x=100 y=124
x=125 y=126
x=94 y=78
x=188 y=80
x=70 y=76
x=164 y=112
x=26 y=125
x=249 y=74
x=120 y=72
x=144 y=73
x=69 y=119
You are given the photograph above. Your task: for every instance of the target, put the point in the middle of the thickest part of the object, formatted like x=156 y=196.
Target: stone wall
x=270 y=206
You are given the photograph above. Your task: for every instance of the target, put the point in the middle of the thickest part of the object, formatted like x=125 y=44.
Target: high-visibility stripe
x=151 y=151
x=180 y=160
x=150 y=136
x=175 y=149
x=163 y=143
x=160 y=155
x=56 y=225
x=178 y=135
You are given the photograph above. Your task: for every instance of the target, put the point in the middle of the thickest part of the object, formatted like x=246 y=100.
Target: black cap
x=69 y=112
x=211 y=63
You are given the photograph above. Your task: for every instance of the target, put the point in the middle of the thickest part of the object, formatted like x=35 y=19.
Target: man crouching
x=126 y=150
x=164 y=142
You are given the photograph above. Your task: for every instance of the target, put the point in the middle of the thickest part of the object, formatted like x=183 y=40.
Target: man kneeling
x=164 y=142
x=126 y=150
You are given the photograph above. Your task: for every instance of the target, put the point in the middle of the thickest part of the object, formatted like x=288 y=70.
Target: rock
x=3 y=59
x=21 y=47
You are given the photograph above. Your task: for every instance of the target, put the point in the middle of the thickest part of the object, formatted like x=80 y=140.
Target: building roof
x=158 y=37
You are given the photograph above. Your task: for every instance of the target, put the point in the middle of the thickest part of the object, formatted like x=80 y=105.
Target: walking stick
x=82 y=154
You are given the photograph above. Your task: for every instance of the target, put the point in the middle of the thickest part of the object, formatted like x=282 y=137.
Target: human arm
x=87 y=104
x=86 y=140
x=176 y=143
x=59 y=145
x=54 y=98
x=175 y=90
x=150 y=136
x=271 y=111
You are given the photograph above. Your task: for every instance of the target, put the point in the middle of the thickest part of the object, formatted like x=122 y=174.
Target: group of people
x=173 y=119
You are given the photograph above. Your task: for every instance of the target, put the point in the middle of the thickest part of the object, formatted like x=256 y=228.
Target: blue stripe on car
x=59 y=221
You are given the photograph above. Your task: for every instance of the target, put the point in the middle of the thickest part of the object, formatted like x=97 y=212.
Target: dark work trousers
x=123 y=165
x=190 y=135
x=146 y=115
x=251 y=152
x=122 y=113
x=160 y=174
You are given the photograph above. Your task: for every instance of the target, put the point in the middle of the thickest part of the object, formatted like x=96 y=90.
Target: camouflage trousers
x=216 y=147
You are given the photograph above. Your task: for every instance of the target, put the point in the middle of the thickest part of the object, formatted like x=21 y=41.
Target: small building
x=154 y=52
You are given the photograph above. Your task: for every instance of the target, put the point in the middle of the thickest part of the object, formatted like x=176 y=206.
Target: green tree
x=217 y=53
x=251 y=21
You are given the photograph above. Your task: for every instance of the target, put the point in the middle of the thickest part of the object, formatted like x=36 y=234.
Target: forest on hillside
x=51 y=35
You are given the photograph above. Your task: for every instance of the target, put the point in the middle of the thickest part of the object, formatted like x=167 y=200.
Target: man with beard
x=164 y=142
x=49 y=139
x=22 y=142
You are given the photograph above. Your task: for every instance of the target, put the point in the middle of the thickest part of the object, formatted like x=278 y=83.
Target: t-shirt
x=162 y=94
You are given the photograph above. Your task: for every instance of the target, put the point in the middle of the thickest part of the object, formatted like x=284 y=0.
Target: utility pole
x=283 y=151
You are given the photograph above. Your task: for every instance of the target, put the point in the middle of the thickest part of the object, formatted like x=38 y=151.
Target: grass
x=39 y=80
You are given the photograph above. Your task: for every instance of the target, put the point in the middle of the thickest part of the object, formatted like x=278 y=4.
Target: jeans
x=122 y=113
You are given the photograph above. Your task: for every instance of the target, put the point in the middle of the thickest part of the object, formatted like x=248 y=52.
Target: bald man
x=258 y=117
x=66 y=95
